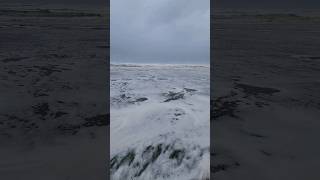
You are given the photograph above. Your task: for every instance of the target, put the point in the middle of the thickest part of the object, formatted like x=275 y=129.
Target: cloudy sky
x=160 y=31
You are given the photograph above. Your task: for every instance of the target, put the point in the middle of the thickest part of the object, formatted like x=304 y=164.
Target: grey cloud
x=160 y=31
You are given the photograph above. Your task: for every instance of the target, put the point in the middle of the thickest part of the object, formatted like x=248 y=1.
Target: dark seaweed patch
x=127 y=159
x=156 y=153
x=114 y=161
x=171 y=96
x=144 y=167
x=189 y=90
x=177 y=154
x=141 y=99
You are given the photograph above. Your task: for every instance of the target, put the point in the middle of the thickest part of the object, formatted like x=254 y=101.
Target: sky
x=160 y=31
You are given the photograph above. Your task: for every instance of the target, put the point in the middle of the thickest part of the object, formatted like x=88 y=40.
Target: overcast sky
x=160 y=31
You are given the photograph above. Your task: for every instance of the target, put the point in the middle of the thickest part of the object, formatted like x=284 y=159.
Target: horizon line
x=137 y=63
